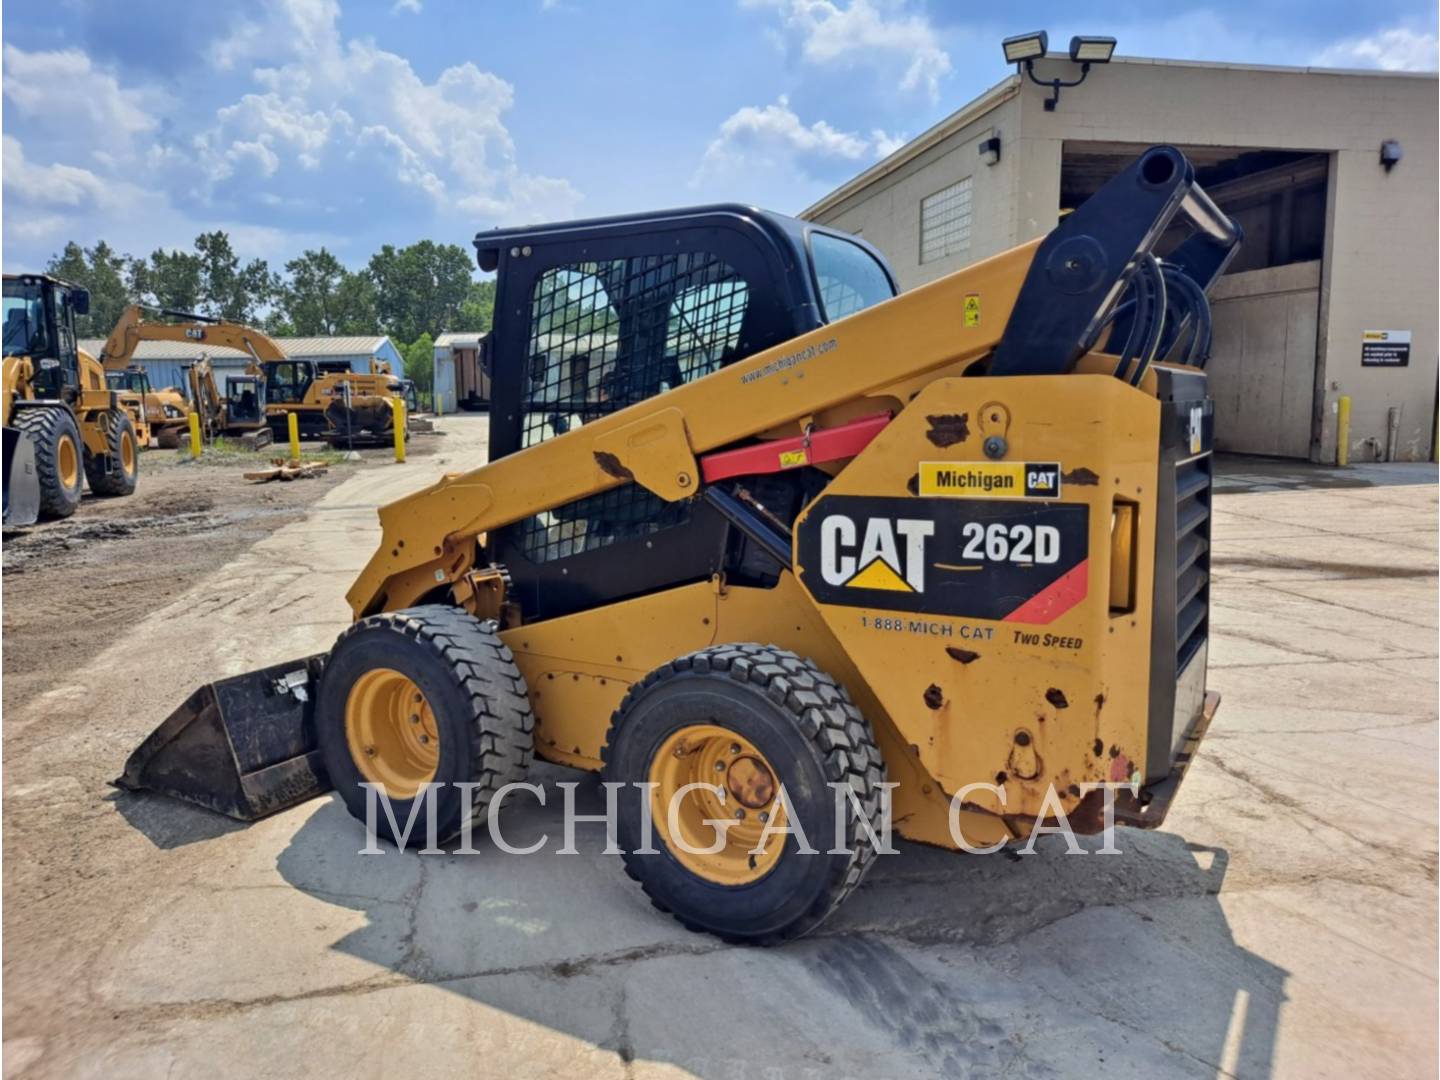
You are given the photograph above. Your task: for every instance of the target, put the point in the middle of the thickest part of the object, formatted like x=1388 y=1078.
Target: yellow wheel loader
x=63 y=425
x=762 y=541
x=165 y=410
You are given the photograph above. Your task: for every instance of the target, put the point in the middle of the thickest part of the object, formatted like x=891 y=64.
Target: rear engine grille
x=1192 y=558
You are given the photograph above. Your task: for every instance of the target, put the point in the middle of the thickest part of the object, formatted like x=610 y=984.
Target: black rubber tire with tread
x=809 y=729
x=46 y=425
x=478 y=695
x=114 y=425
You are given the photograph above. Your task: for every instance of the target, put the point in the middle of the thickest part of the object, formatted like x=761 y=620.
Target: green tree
x=420 y=363
x=355 y=300
x=228 y=289
x=477 y=310
x=170 y=279
x=419 y=289
x=103 y=271
x=320 y=296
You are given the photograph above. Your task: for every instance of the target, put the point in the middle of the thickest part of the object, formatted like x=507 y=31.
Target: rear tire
x=463 y=716
x=799 y=726
x=58 y=457
x=123 y=457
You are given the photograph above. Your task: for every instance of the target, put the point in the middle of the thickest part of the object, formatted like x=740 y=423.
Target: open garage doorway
x=1267 y=306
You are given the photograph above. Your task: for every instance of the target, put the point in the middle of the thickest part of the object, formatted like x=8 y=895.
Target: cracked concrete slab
x=1282 y=923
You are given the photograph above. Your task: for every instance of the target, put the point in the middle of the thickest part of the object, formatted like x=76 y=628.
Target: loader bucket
x=22 y=482
x=244 y=746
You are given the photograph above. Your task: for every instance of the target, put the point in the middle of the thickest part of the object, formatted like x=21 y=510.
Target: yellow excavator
x=332 y=401
x=239 y=411
x=329 y=400
x=64 y=426
x=770 y=546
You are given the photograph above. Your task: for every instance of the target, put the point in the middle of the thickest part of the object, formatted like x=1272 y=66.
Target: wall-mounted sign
x=1385 y=348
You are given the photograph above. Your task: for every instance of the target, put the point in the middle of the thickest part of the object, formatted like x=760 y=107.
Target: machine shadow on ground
x=940 y=964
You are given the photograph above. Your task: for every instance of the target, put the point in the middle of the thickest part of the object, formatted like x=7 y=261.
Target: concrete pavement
x=1282 y=923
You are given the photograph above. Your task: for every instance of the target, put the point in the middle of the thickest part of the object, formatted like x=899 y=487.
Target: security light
x=1092 y=50
x=1023 y=50
x=1390 y=154
x=1022 y=47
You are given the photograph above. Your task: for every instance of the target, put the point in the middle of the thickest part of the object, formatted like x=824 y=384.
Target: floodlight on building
x=1092 y=50
x=1023 y=50
x=1024 y=47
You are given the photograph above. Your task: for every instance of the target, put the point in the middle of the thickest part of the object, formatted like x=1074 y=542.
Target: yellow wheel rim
x=67 y=459
x=747 y=803
x=391 y=731
x=127 y=453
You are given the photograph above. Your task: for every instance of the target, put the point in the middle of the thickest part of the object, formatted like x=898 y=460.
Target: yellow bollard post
x=397 y=406
x=1342 y=431
x=294 y=422
x=194 y=434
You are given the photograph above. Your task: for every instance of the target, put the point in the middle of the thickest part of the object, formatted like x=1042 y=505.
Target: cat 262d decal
x=977 y=558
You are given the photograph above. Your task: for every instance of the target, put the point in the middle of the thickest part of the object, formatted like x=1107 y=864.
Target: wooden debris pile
x=287 y=469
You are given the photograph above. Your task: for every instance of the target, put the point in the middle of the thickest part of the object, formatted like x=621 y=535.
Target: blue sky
x=353 y=123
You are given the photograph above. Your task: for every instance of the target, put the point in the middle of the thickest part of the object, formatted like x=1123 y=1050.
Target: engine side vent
x=1192 y=558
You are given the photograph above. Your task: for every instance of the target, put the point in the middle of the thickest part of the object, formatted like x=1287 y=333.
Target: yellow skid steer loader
x=757 y=529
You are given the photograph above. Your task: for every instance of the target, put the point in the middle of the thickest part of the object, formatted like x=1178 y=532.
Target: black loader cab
x=593 y=316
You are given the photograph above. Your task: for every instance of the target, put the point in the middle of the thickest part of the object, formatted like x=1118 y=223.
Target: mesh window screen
x=604 y=335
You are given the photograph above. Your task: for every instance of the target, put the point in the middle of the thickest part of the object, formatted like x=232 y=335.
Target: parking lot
x=1281 y=923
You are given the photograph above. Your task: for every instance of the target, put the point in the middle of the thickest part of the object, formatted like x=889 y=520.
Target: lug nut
x=414 y=718
x=369 y=751
x=719 y=766
x=764 y=816
x=739 y=815
x=734 y=748
x=424 y=740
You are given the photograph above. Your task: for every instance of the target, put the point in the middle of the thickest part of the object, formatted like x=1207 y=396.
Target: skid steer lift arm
x=825 y=395
x=1043 y=304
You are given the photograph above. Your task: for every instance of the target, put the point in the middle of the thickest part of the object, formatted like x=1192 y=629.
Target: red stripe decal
x=826 y=444
x=1055 y=599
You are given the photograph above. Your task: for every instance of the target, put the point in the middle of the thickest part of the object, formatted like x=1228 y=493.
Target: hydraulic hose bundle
x=1164 y=304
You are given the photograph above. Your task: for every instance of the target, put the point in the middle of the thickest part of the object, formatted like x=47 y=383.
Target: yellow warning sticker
x=991 y=479
x=789 y=459
x=972 y=309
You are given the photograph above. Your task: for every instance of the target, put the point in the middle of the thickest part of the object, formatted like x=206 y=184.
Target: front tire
x=423 y=695
x=59 y=454
x=122 y=458
x=749 y=719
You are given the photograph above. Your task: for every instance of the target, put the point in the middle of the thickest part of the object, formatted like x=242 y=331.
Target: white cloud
x=767 y=137
x=871 y=32
x=77 y=101
x=47 y=185
x=350 y=105
x=413 y=7
x=324 y=133
x=1396 y=49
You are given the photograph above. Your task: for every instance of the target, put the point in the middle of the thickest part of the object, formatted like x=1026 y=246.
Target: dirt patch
x=72 y=586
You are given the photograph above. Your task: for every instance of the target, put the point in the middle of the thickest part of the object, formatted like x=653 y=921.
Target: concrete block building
x=1334 y=291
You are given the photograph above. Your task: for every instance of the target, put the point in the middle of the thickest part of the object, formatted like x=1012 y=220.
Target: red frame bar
x=777 y=455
